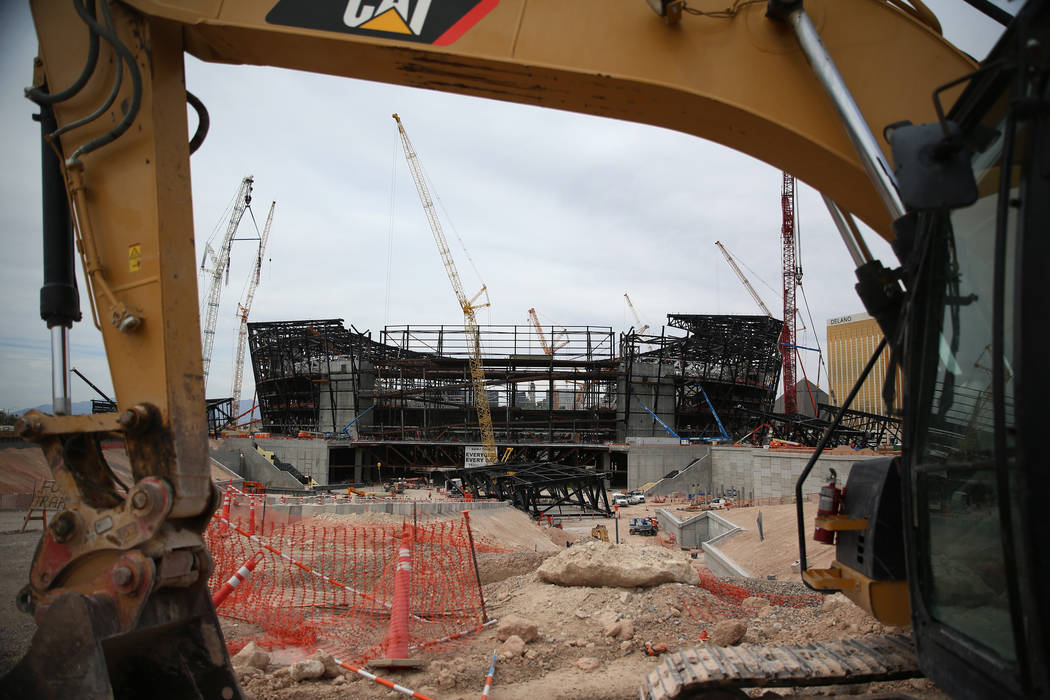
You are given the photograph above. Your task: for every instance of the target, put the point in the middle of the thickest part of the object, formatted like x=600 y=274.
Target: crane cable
x=462 y=245
x=390 y=228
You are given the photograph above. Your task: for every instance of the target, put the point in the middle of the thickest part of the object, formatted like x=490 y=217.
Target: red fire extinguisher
x=830 y=504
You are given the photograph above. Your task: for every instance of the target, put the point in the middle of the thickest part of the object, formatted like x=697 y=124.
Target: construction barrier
x=734 y=594
x=488 y=680
x=239 y=577
x=330 y=585
x=383 y=681
x=714 y=600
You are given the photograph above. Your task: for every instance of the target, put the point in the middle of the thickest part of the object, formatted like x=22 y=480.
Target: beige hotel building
x=851 y=341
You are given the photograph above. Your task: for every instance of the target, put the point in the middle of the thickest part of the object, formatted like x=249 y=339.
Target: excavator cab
x=975 y=330
x=950 y=534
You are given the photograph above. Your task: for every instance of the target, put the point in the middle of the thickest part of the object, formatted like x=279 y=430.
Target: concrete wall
x=721 y=565
x=693 y=478
x=648 y=459
x=702 y=531
x=310 y=457
x=772 y=473
x=754 y=472
x=689 y=532
x=238 y=455
x=340 y=391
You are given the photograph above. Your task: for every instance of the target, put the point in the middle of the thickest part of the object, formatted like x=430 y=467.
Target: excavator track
x=689 y=670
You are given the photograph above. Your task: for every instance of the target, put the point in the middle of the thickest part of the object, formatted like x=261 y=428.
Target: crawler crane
x=244 y=307
x=220 y=269
x=468 y=306
x=548 y=348
x=637 y=318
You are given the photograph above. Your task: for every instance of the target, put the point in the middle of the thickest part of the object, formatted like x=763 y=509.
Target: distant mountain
x=79 y=408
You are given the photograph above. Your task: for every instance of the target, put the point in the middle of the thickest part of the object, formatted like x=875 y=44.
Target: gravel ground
x=16 y=552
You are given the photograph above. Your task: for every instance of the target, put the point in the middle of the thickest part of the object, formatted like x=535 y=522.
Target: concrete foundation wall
x=648 y=459
x=721 y=565
x=695 y=530
x=310 y=457
x=765 y=473
x=691 y=532
x=758 y=473
x=239 y=456
x=695 y=477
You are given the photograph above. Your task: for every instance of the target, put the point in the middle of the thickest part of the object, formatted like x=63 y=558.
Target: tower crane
x=222 y=266
x=634 y=311
x=470 y=323
x=747 y=284
x=791 y=276
x=548 y=348
x=244 y=307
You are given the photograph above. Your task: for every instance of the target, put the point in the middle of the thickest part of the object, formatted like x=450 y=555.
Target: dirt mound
x=498 y=567
x=603 y=564
x=22 y=469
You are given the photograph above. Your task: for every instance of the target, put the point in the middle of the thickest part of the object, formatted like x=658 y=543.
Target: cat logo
x=437 y=22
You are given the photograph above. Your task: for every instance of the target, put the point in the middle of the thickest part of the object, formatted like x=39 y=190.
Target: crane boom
x=470 y=323
x=539 y=329
x=791 y=276
x=634 y=311
x=548 y=348
x=244 y=307
x=740 y=274
x=222 y=264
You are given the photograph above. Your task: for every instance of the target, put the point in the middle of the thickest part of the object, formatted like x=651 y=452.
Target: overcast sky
x=558 y=211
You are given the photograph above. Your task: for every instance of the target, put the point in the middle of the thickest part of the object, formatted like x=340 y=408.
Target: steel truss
x=541 y=487
x=220 y=414
x=857 y=429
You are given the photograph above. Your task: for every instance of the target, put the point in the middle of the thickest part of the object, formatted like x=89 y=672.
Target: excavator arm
x=122 y=572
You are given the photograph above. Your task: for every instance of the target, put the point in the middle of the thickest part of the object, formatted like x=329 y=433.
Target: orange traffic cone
x=397 y=637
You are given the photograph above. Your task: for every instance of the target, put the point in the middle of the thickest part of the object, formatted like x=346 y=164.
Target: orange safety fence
x=330 y=586
x=714 y=600
x=734 y=594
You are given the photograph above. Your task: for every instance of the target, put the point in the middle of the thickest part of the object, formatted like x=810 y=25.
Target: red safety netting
x=734 y=594
x=330 y=586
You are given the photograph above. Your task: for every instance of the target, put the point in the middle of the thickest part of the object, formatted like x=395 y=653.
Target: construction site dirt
x=551 y=641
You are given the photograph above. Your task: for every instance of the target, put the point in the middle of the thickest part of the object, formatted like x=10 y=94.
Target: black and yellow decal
x=437 y=22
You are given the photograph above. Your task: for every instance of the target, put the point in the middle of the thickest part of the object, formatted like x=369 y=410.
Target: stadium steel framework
x=310 y=374
x=857 y=429
x=423 y=388
x=409 y=395
x=732 y=359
